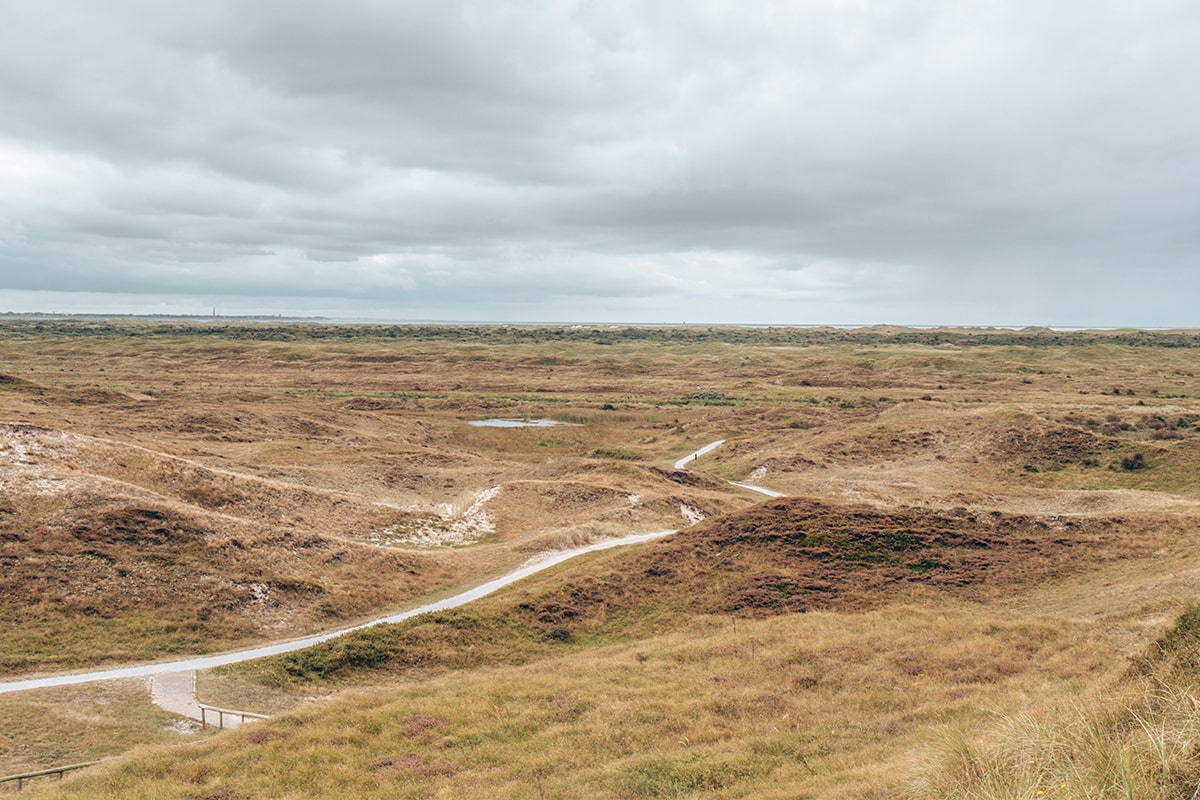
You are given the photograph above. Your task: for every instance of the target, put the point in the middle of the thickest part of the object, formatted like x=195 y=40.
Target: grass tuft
x=1138 y=741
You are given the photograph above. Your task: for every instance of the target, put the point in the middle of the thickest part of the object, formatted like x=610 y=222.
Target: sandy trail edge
x=176 y=692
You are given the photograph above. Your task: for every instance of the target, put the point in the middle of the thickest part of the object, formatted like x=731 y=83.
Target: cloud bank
x=843 y=161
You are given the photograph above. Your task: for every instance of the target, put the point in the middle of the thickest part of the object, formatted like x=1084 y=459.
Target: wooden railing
x=221 y=713
x=43 y=773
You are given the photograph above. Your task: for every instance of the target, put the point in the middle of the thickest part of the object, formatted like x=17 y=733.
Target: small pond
x=514 y=423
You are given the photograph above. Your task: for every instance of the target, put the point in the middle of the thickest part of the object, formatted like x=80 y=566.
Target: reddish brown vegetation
x=797 y=555
x=1061 y=445
x=783 y=556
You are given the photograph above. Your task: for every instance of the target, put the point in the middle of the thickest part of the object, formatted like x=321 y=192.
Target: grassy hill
x=626 y=678
x=979 y=586
x=781 y=557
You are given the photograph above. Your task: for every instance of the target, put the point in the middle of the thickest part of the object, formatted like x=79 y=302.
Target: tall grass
x=1138 y=741
x=1143 y=744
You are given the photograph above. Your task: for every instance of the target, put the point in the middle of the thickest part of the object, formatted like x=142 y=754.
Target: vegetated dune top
x=114 y=554
x=782 y=556
x=797 y=554
x=1051 y=453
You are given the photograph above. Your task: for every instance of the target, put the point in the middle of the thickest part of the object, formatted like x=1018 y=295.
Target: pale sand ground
x=176 y=692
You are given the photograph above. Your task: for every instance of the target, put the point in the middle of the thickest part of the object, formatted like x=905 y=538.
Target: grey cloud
x=887 y=161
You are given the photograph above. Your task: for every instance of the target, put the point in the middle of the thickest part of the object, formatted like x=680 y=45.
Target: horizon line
x=353 y=320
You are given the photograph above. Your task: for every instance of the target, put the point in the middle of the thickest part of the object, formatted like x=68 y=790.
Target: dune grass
x=928 y=677
x=817 y=705
x=1138 y=738
x=80 y=723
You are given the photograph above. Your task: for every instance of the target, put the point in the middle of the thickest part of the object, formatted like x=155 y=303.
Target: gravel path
x=759 y=489
x=708 y=448
x=532 y=566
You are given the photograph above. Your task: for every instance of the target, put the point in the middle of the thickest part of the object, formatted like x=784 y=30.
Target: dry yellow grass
x=1139 y=738
x=285 y=433
x=817 y=705
x=77 y=724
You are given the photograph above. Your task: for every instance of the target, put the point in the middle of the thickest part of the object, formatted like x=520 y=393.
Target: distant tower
x=214 y=312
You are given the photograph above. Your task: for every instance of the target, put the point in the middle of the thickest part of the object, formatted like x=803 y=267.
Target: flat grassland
x=987 y=551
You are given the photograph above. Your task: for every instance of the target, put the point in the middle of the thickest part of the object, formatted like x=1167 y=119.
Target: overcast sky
x=814 y=161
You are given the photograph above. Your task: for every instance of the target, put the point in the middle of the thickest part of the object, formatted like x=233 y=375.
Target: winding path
x=174 y=692
x=708 y=448
x=759 y=489
x=532 y=566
